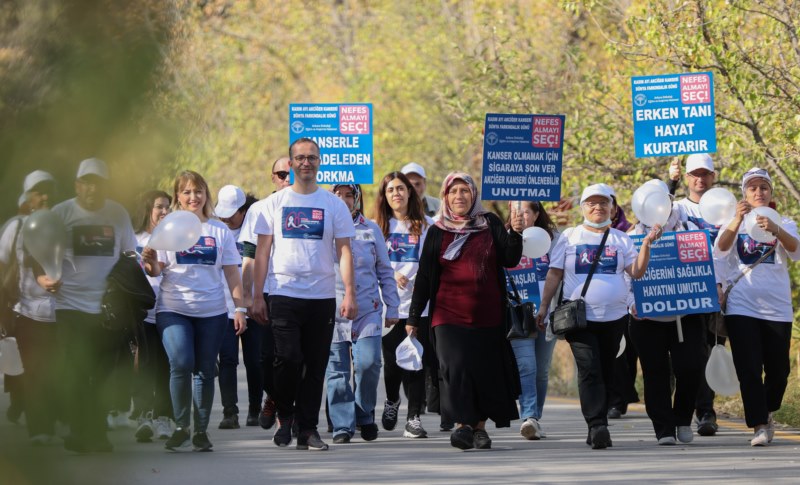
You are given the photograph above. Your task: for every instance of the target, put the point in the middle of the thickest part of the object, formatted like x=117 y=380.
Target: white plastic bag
x=721 y=373
x=409 y=354
x=10 y=360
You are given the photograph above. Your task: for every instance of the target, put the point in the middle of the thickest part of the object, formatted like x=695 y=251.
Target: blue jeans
x=346 y=407
x=192 y=345
x=229 y=361
x=533 y=361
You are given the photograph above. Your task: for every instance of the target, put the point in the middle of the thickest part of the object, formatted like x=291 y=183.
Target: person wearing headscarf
x=357 y=342
x=461 y=277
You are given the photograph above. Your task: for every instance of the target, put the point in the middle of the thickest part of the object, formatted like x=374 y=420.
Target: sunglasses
x=282 y=174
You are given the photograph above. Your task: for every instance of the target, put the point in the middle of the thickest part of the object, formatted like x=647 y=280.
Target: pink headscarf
x=475 y=219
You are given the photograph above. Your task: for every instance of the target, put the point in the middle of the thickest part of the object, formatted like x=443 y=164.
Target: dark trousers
x=662 y=355
x=38 y=347
x=760 y=347
x=88 y=352
x=704 y=403
x=394 y=376
x=303 y=331
x=595 y=349
x=229 y=361
x=622 y=390
x=151 y=382
x=267 y=356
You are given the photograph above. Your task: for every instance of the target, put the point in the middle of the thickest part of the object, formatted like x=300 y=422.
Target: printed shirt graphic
x=303 y=223
x=403 y=248
x=204 y=251
x=585 y=254
x=93 y=240
x=701 y=223
x=751 y=250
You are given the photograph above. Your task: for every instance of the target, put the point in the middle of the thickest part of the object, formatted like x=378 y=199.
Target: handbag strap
x=513 y=285
x=749 y=269
x=594 y=263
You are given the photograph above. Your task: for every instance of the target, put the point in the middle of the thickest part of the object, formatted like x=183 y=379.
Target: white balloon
x=10 y=360
x=718 y=206
x=45 y=238
x=752 y=228
x=178 y=231
x=655 y=209
x=721 y=373
x=621 y=347
x=535 y=242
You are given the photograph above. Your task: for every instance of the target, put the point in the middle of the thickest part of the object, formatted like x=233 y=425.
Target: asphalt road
x=247 y=455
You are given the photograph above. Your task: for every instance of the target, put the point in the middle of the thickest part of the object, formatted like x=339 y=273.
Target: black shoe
x=267 y=417
x=707 y=425
x=389 y=416
x=341 y=439
x=252 y=418
x=310 y=440
x=14 y=412
x=446 y=426
x=179 y=441
x=229 y=422
x=481 y=439
x=599 y=437
x=614 y=413
x=369 y=432
x=200 y=442
x=74 y=444
x=462 y=438
x=283 y=435
x=100 y=445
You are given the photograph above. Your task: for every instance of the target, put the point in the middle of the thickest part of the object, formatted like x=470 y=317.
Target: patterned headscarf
x=358 y=205
x=474 y=221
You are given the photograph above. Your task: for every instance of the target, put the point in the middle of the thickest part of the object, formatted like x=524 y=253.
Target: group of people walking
x=318 y=296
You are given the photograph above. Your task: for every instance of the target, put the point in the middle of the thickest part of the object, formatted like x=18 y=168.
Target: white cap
x=754 y=173
x=413 y=168
x=697 y=161
x=602 y=190
x=229 y=200
x=93 y=166
x=36 y=177
x=609 y=189
x=22 y=199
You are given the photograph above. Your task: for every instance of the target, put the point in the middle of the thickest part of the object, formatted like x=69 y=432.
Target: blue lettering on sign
x=303 y=223
x=585 y=253
x=203 y=252
x=526 y=280
x=701 y=223
x=403 y=248
x=750 y=250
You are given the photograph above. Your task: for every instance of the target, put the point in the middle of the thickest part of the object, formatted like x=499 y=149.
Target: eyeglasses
x=696 y=174
x=303 y=158
x=282 y=174
x=602 y=203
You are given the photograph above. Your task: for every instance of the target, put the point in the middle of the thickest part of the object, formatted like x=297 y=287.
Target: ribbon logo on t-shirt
x=303 y=223
x=585 y=253
x=93 y=240
x=702 y=224
x=750 y=250
x=203 y=252
x=403 y=248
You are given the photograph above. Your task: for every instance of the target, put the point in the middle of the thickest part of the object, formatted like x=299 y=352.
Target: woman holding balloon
x=595 y=347
x=191 y=313
x=533 y=354
x=759 y=243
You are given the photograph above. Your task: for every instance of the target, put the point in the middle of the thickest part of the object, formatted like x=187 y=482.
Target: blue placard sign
x=522 y=157
x=526 y=279
x=680 y=277
x=344 y=135
x=673 y=114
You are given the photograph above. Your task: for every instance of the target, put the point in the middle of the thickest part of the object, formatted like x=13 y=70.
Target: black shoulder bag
x=128 y=296
x=571 y=315
x=520 y=316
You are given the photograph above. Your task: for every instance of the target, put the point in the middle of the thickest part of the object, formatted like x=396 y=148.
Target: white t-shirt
x=606 y=298
x=765 y=292
x=192 y=283
x=304 y=228
x=34 y=302
x=95 y=240
x=692 y=210
x=405 y=250
x=142 y=239
x=239 y=249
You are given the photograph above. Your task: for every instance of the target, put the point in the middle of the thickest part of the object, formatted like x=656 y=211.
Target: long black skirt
x=479 y=375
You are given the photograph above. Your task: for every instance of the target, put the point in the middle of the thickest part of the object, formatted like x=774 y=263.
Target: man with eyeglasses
x=98 y=230
x=301 y=282
x=700 y=177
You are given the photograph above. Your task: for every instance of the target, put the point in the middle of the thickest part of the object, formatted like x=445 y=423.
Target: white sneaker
x=145 y=430
x=163 y=427
x=542 y=434
x=770 y=428
x=530 y=429
x=667 y=441
x=760 y=438
x=414 y=429
x=685 y=434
